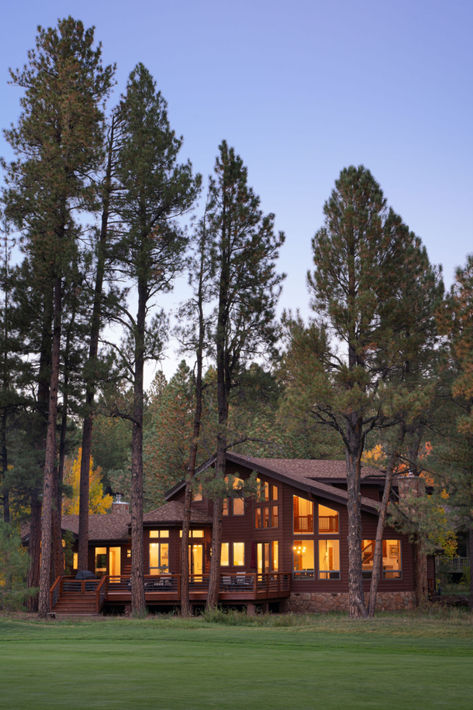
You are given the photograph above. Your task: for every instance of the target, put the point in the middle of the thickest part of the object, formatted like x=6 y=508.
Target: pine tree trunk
x=214 y=579
x=44 y=375
x=421 y=574
x=87 y=427
x=138 y=605
x=355 y=576
x=378 y=549
x=50 y=459
x=185 y=602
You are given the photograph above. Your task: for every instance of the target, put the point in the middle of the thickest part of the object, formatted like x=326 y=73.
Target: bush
x=13 y=570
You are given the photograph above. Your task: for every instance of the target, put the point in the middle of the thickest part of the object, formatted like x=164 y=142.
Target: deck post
x=251 y=609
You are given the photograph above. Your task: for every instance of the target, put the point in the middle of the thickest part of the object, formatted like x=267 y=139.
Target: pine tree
x=58 y=142
x=244 y=249
x=154 y=190
x=360 y=258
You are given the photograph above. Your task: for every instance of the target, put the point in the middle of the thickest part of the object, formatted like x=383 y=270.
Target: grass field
x=405 y=661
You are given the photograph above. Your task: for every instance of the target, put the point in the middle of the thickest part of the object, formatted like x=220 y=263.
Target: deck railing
x=55 y=592
x=237 y=585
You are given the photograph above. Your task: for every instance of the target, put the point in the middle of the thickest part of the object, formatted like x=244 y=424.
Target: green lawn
x=310 y=662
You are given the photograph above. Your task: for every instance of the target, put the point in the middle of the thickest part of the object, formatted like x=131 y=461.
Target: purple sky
x=301 y=90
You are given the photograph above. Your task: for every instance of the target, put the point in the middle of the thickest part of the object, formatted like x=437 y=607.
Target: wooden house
x=282 y=548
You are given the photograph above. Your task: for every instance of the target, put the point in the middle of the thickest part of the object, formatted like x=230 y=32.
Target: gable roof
x=313 y=476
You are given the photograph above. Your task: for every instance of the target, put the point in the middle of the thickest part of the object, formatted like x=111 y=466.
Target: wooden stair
x=76 y=604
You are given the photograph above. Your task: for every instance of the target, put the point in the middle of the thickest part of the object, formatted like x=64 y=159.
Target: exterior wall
x=242 y=529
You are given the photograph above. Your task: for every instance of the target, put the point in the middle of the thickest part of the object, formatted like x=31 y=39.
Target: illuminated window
x=267 y=554
x=392 y=559
x=367 y=557
x=303 y=515
x=392 y=568
x=193 y=533
x=266 y=507
x=158 y=557
x=225 y=554
x=329 y=559
x=303 y=552
x=238 y=554
x=100 y=560
x=158 y=533
x=75 y=560
x=328 y=520
x=114 y=561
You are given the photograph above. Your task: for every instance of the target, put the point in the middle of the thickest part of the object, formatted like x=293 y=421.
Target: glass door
x=196 y=558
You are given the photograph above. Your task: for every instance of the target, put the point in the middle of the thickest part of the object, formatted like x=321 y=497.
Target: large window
x=328 y=520
x=232 y=554
x=392 y=568
x=266 y=507
x=303 y=515
x=303 y=551
x=267 y=554
x=392 y=559
x=158 y=557
x=238 y=554
x=225 y=554
x=329 y=559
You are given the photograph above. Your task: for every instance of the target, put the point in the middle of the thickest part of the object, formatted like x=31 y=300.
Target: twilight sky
x=300 y=90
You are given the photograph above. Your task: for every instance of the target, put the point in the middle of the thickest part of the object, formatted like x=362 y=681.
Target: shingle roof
x=314 y=476
x=303 y=469
x=109 y=526
x=173 y=512
x=309 y=475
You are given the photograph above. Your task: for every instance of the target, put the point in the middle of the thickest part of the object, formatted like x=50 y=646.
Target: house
x=284 y=548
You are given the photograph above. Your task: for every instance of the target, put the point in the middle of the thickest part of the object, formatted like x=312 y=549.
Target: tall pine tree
x=244 y=249
x=58 y=141
x=154 y=189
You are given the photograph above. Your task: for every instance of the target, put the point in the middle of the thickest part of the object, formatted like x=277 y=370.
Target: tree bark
x=185 y=603
x=50 y=458
x=138 y=605
x=87 y=427
x=355 y=577
x=421 y=574
x=378 y=549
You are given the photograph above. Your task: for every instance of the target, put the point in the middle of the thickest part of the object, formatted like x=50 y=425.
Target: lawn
x=405 y=661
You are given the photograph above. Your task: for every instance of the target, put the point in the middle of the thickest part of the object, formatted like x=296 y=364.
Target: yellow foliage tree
x=98 y=502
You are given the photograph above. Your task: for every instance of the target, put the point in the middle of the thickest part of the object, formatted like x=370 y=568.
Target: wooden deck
x=69 y=594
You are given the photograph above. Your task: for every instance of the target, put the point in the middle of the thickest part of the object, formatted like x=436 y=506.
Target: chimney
x=410 y=485
x=120 y=506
